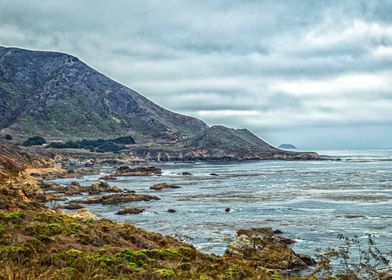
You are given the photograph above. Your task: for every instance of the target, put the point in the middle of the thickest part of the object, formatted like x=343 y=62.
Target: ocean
x=348 y=192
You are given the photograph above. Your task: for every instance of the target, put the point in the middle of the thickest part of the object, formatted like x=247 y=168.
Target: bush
x=124 y=140
x=8 y=137
x=34 y=141
x=98 y=145
x=355 y=258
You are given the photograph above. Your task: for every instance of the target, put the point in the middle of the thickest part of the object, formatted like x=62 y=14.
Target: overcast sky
x=317 y=74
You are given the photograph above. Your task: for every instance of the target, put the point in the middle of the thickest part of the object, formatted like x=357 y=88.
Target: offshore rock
x=125 y=170
x=116 y=198
x=161 y=186
x=132 y=211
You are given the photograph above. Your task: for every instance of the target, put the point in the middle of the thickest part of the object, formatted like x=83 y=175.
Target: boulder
x=72 y=206
x=82 y=214
x=161 y=186
x=73 y=189
x=101 y=186
x=132 y=211
x=185 y=173
x=54 y=197
x=125 y=170
x=262 y=246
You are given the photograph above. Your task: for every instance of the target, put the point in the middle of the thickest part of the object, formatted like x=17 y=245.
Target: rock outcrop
x=161 y=186
x=263 y=246
x=125 y=170
x=116 y=199
x=131 y=211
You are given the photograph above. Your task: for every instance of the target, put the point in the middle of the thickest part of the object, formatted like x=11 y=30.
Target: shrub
x=355 y=258
x=165 y=272
x=98 y=145
x=34 y=141
x=124 y=140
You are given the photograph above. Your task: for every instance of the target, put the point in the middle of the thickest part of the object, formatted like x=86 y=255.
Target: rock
x=185 y=174
x=108 y=178
x=132 y=211
x=171 y=211
x=214 y=174
x=116 y=198
x=73 y=189
x=162 y=186
x=52 y=186
x=308 y=260
x=82 y=214
x=54 y=197
x=385 y=276
x=125 y=170
x=101 y=186
x=270 y=251
x=76 y=184
x=227 y=210
x=72 y=206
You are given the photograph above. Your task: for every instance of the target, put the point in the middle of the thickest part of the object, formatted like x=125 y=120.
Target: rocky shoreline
x=77 y=241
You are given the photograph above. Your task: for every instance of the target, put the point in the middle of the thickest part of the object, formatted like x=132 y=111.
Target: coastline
x=24 y=209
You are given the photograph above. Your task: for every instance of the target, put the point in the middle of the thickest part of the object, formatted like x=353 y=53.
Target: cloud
x=281 y=68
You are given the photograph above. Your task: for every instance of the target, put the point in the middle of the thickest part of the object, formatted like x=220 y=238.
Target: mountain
x=57 y=96
x=287 y=146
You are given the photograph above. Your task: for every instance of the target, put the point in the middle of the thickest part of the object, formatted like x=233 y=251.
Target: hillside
x=57 y=96
x=220 y=137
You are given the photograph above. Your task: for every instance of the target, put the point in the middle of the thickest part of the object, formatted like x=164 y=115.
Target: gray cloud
x=289 y=70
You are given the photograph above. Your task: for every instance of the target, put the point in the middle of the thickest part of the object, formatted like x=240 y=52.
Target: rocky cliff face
x=58 y=96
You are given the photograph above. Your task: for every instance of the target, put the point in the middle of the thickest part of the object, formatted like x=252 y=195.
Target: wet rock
x=214 y=174
x=307 y=260
x=101 y=186
x=132 y=211
x=54 y=197
x=73 y=189
x=72 y=206
x=116 y=198
x=227 y=210
x=185 y=174
x=161 y=186
x=262 y=246
x=108 y=178
x=171 y=211
x=76 y=184
x=125 y=170
x=82 y=214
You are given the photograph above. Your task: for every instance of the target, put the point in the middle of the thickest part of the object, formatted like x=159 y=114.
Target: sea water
x=348 y=192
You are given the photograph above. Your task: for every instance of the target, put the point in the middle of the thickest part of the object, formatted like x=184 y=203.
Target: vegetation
x=99 y=145
x=355 y=258
x=32 y=245
x=34 y=141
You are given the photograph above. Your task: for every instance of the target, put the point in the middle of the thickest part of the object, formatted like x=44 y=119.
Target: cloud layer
x=315 y=73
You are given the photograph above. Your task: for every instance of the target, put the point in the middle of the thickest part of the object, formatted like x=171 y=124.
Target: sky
x=316 y=74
